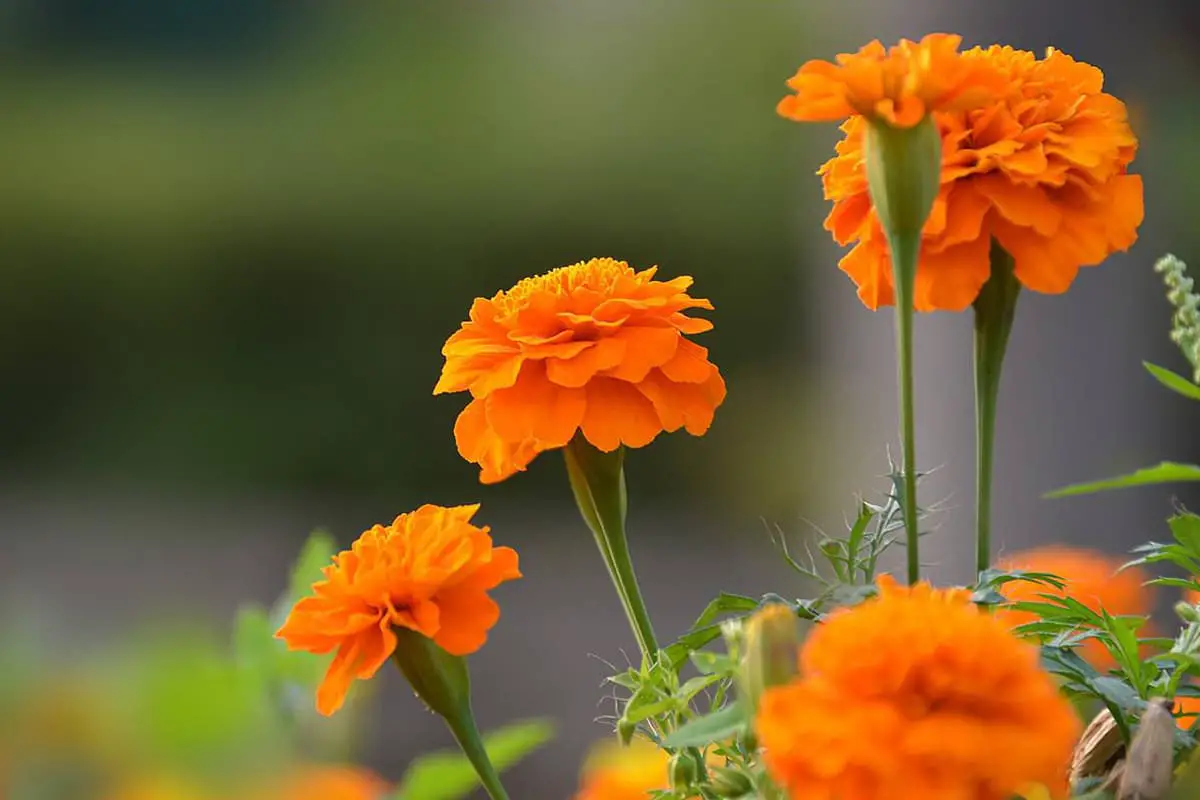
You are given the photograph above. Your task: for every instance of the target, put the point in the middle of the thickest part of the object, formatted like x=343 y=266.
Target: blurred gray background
x=233 y=236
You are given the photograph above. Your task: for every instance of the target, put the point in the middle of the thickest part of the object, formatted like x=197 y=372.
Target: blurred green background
x=234 y=235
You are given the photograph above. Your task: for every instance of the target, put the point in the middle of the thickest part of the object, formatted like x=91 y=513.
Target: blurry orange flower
x=328 y=782
x=900 y=84
x=916 y=695
x=1041 y=168
x=1091 y=578
x=613 y=772
x=429 y=571
x=594 y=348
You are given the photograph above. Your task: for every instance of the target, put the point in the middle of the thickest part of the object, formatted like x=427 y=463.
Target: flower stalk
x=995 y=309
x=598 y=483
x=443 y=683
x=903 y=176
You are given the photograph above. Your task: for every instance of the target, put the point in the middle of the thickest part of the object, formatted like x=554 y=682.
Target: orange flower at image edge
x=1036 y=161
x=916 y=694
x=1091 y=578
x=429 y=571
x=624 y=773
x=594 y=348
x=899 y=85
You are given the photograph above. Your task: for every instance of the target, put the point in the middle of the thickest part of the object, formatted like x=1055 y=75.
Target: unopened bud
x=682 y=771
x=1187 y=612
x=728 y=782
x=625 y=731
x=771 y=640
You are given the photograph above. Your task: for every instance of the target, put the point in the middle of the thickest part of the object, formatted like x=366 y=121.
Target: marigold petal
x=468 y=616
x=689 y=364
x=479 y=444
x=598 y=356
x=618 y=414
x=646 y=348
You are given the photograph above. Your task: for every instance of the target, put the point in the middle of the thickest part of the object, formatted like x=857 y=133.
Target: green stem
x=467 y=733
x=598 y=482
x=904 y=252
x=994 y=311
x=443 y=682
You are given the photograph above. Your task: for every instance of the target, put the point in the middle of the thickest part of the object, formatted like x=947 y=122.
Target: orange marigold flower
x=326 y=782
x=624 y=773
x=595 y=348
x=900 y=84
x=1091 y=578
x=429 y=571
x=916 y=695
x=1041 y=168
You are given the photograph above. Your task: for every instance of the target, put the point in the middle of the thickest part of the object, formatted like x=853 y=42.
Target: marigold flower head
x=594 y=348
x=900 y=84
x=916 y=695
x=613 y=772
x=1041 y=167
x=1092 y=578
x=429 y=571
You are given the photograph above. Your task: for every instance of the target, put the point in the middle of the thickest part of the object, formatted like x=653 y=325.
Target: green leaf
x=1174 y=382
x=722 y=724
x=253 y=636
x=316 y=554
x=704 y=630
x=448 y=775
x=1166 y=472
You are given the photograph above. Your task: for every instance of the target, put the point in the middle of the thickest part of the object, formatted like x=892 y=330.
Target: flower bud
x=1187 y=612
x=682 y=770
x=728 y=782
x=625 y=730
x=771 y=644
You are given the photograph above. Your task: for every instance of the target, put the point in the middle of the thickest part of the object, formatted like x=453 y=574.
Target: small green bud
x=626 y=730
x=771 y=640
x=682 y=770
x=728 y=782
x=1187 y=612
x=748 y=740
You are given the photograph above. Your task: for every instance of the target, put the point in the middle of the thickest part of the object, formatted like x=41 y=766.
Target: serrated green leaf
x=723 y=724
x=449 y=775
x=1166 y=472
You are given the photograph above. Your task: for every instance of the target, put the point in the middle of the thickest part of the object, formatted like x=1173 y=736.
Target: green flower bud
x=626 y=730
x=771 y=640
x=728 y=782
x=682 y=770
x=1187 y=612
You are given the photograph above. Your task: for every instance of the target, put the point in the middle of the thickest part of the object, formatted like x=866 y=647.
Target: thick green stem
x=467 y=734
x=904 y=255
x=598 y=482
x=443 y=682
x=994 y=311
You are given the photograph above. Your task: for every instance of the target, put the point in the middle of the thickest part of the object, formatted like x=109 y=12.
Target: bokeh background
x=233 y=236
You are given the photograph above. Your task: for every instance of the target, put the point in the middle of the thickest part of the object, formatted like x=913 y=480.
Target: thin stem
x=598 y=482
x=994 y=312
x=467 y=734
x=904 y=251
